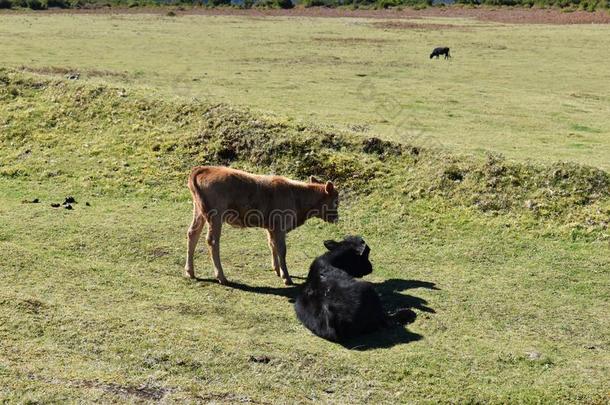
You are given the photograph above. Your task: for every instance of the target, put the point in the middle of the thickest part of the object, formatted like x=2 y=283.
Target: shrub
x=284 y=3
x=274 y=4
x=315 y=3
x=37 y=4
x=58 y=3
x=215 y=3
x=6 y=4
x=387 y=3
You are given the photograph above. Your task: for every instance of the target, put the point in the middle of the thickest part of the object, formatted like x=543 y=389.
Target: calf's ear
x=331 y=244
x=329 y=187
x=314 y=180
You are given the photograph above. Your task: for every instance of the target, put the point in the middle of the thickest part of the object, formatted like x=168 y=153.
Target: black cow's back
x=336 y=306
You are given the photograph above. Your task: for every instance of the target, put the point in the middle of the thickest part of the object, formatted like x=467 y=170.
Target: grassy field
x=505 y=262
x=528 y=91
x=511 y=304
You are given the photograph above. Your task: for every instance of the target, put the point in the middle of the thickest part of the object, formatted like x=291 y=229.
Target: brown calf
x=277 y=204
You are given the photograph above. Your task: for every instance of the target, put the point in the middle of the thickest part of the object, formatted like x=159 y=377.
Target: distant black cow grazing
x=333 y=304
x=440 y=51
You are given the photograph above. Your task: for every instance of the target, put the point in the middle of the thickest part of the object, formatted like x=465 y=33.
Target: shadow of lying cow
x=392 y=297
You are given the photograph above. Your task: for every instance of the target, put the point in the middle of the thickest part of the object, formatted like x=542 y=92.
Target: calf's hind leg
x=213 y=240
x=192 y=236
x=274 y=260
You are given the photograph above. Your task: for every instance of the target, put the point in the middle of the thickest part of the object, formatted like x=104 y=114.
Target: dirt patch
x=380 y=147
x=511 y=15
x=227 y=398
x=66 y=71
x=352 y=41
x=159 y=252
x=143 y=392
x=306 y=60
x=405 y=25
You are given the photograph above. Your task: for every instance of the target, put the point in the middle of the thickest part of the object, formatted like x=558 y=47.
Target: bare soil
x=511 y=15
x=407 y=25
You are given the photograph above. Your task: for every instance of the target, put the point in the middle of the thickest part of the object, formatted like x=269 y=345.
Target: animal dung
x=259 y=359
x=34 y=201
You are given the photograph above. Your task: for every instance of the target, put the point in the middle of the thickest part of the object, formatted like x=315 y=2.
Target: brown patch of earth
x=405 y=25
x=351 y=41
x=58 y=70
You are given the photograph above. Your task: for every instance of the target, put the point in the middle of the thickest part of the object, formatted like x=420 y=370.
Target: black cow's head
x=351 y=255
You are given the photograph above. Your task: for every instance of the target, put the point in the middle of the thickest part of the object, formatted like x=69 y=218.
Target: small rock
x=87 y=204
x=533 y=355
x=530 y=205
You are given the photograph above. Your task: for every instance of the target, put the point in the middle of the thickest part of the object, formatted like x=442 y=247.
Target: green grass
x=535 y=92
x=511 y=301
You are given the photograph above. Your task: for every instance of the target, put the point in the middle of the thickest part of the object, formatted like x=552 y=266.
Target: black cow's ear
x=362 y=248
x=314 y=180
x=331 y=244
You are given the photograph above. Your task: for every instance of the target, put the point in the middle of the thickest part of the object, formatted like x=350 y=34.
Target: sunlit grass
x=529 y=91
x=93 y=304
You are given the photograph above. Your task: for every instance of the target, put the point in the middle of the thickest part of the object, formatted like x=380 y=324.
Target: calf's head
x=351 y=255
x=328 y=209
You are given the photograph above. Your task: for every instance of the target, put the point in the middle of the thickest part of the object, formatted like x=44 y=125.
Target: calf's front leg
x=279 y=241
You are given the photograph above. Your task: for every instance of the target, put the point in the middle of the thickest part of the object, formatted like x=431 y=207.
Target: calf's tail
x=198 y=198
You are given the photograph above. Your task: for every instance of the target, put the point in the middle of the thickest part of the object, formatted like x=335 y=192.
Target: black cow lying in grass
x=440 y=51
x=336 y=306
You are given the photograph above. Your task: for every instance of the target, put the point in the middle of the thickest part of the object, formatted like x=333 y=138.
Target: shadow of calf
x=290 y=292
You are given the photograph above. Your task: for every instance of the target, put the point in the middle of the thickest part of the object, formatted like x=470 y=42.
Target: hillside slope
x=506 y=264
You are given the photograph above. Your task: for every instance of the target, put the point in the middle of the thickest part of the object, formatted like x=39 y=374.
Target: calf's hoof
x=223 y=281
x=189 y=273
x=288 y=281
